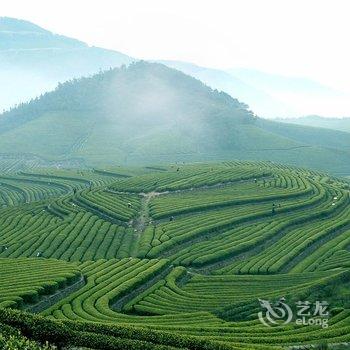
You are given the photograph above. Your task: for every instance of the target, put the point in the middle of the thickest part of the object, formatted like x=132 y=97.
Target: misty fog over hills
x=342 y=124
x=150 y=113
x=181 y=194
x=258 y=99
x=33 y=60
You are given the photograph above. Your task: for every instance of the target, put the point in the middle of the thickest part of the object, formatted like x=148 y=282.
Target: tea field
x=172 y=257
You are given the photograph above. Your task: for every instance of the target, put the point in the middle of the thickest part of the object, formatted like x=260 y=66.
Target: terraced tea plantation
x=175 y=256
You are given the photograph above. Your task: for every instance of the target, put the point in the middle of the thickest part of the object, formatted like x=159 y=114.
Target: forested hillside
x=149 y=113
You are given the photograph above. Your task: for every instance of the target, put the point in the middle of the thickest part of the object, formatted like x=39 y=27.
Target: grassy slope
x=103 y=143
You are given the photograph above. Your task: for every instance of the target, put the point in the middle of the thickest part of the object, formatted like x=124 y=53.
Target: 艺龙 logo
x=275 y=312
x=307 y=313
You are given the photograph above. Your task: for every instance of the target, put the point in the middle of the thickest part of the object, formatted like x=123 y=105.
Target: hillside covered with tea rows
x=172 y=256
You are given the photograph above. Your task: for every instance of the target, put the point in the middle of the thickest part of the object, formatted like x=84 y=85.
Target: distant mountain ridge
x=22 y=35
x=302 y=95
x=273 y=82
x=149 y=113
x=9 y=24
x=258 y=100
x=341 y=124
x=33 y=60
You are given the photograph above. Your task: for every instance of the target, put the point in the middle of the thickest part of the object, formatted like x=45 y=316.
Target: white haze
x=290 y=37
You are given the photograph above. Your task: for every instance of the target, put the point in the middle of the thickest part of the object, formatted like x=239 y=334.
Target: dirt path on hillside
x=143 y=219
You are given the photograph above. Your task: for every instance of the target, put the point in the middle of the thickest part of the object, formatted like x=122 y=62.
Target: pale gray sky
x=293 y=37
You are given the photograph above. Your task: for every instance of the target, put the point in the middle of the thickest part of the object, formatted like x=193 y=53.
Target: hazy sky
x=302 y=38
x=309 y=38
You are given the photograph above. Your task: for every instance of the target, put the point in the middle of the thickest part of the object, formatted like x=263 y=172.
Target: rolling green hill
x=149 y=113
